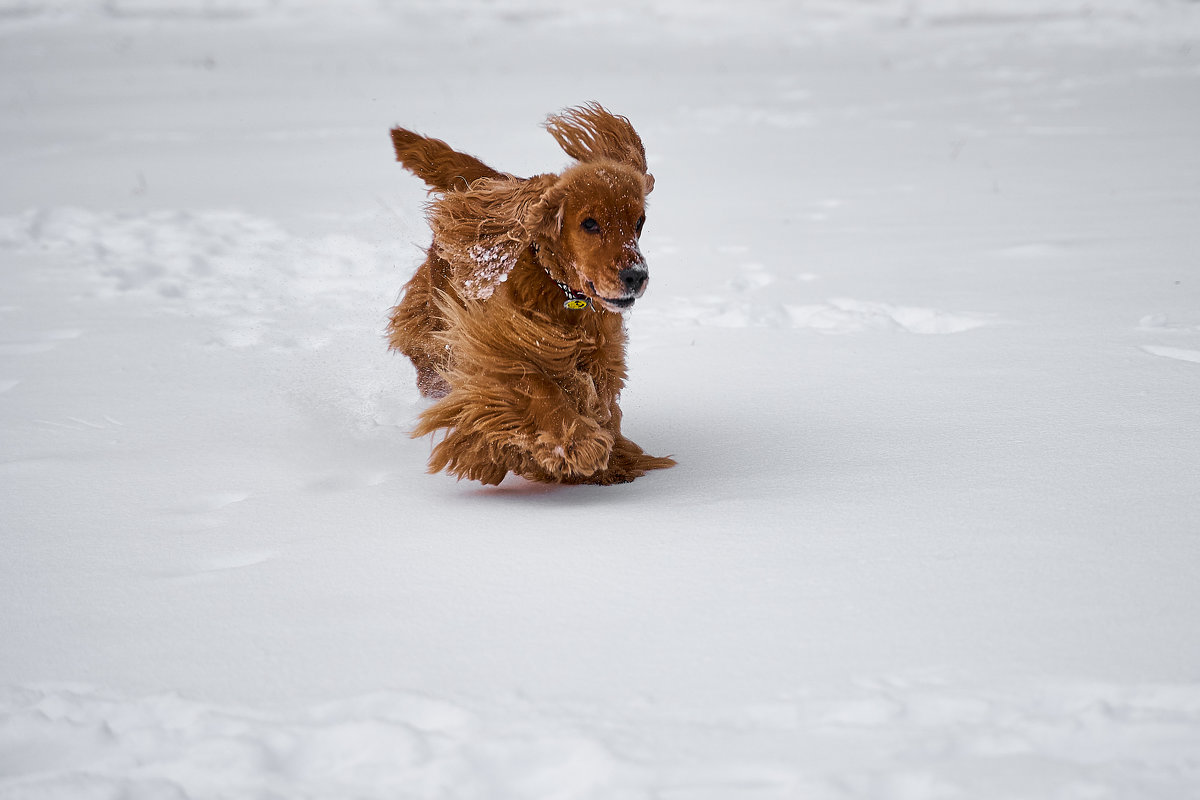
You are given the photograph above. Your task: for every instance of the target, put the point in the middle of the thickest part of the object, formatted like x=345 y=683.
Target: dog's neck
x=576 y=301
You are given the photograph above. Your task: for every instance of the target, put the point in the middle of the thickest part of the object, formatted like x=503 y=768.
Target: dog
x=514 y=321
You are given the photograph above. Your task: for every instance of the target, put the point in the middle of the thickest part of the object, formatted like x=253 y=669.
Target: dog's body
x=513 y=322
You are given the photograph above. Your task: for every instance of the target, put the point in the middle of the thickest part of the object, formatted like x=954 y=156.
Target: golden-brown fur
x=524 y=383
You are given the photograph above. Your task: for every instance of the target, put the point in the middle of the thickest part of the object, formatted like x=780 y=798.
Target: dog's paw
x=579 y=450
x=628 y=461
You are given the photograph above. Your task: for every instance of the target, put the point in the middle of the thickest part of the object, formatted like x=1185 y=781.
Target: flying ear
x=482 y=232
x=592 y=133
x=437 y=163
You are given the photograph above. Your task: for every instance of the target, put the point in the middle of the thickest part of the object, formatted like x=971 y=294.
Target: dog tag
x=577 y=303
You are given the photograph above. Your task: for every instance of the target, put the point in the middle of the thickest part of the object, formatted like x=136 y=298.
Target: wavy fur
x=524 y=384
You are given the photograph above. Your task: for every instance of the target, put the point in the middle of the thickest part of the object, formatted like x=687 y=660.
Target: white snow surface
x=923 y=333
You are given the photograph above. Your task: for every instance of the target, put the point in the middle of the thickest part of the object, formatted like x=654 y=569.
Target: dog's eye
x=641 y=221
x=590 y=225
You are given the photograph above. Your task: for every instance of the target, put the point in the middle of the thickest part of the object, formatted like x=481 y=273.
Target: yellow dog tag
x=577 y=303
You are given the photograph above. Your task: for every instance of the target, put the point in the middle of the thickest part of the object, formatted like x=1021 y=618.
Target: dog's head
x=591 y=220
x=585 y=223
x=592 y=217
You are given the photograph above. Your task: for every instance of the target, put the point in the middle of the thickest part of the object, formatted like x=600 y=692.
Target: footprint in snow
x=228 y=266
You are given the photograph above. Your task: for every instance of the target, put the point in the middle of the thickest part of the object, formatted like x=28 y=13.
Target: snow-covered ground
x=923 y=334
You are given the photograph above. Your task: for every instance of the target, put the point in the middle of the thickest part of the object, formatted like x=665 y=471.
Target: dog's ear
x=544 y=217
x=592 y=133
x=437 y=163
x=482 y=232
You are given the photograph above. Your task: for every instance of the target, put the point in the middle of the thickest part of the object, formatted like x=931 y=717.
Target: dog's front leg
x=523 y=423
x=563 y=442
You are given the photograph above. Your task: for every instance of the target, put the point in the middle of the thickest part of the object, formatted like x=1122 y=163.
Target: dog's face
x=602 y=211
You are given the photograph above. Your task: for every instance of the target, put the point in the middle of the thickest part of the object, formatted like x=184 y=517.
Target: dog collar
x=576 y=301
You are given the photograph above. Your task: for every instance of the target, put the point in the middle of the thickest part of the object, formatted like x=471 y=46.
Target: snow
x=923 y=333
x=495 y=261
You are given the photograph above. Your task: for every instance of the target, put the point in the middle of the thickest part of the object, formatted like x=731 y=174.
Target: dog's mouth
x=611 y=303
x=621 y=304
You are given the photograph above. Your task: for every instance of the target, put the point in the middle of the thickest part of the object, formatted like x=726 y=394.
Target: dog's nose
x=633 y=279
